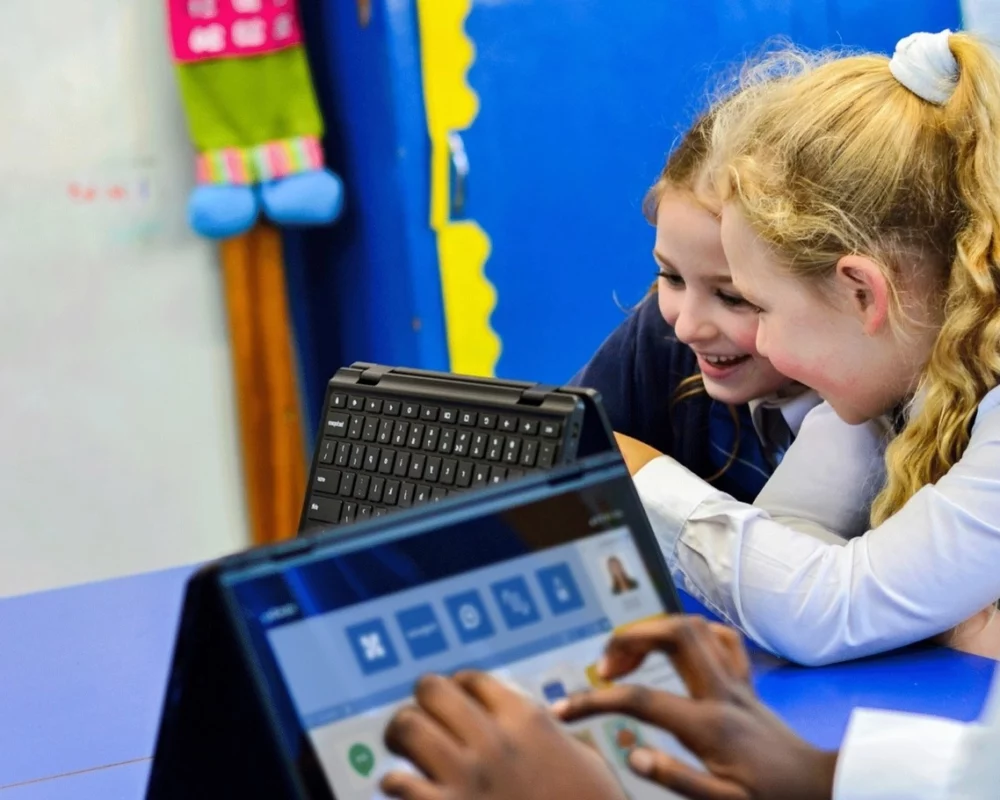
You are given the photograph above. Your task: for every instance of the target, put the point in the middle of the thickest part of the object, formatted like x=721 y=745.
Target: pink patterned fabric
x=207 y=29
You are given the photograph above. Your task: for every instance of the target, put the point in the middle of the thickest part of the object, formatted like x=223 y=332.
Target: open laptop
x=391 y=438
x=291 y=658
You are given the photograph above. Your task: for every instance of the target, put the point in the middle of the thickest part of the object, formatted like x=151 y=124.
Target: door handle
x=459 y=172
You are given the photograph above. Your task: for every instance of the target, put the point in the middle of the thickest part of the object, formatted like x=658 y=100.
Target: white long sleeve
x=888 y=755
x=832 y=493
x=816 y=600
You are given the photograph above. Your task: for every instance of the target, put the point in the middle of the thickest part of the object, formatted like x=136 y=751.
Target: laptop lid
x=526 y=581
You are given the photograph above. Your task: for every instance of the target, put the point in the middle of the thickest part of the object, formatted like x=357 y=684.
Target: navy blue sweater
x=637 y=370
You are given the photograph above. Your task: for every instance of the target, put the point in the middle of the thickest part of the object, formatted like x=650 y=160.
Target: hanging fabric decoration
x=252 y=114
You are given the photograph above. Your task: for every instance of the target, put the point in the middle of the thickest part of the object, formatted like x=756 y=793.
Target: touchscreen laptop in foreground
x=290 y=659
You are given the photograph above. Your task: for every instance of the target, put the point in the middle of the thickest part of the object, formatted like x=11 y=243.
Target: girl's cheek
x=744 y=336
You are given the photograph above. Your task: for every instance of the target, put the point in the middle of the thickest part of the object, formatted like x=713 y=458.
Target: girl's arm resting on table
x=814 y=600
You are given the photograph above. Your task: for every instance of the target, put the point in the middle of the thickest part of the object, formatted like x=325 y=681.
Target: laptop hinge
x=373 y=374
x=536 y=395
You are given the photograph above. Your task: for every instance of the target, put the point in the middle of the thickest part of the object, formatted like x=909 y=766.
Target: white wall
x=118 y=439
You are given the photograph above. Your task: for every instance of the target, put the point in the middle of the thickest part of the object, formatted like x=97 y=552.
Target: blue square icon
x=469 y=616
x=422 y=631
x=554 y=690
x=372 y=647
x=560 y=589
x=517 y=606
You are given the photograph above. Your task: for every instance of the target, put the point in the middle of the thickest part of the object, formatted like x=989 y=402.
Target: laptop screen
x=529 y=594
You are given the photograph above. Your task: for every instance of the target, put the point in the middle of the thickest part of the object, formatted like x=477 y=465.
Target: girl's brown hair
x=687 y=171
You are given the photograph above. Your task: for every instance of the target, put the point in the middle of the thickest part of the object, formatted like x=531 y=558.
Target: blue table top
x=83 y=671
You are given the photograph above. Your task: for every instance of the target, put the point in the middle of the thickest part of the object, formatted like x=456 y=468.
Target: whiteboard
x=118 y=438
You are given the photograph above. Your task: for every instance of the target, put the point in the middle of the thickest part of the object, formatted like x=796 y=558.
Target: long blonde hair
x=837 y=157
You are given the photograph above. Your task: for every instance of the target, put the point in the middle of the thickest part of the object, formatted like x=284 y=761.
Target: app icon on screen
x=554 y=690
x=361 y=759
x=422 y=631
x=468 y=615
x=517 y=606
x=372 y=647
x=560 y=589
x=623 y=735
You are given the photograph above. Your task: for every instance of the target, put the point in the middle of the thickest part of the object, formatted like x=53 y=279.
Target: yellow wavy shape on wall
x=446 y=54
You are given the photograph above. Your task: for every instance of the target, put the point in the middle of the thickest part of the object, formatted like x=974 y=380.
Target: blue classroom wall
x=579 y=102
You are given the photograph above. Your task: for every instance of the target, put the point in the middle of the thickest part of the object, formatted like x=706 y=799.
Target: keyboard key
x=402 y=465
x=343 y=454
x=411 y=410
x=495 y=451
x=481 y=474
x=377 y=489
x=529 y=454
x=416 y=436
x=361 y=485
x=508 y=424
x=416 y=471
x=463 y=478
x=358 y=456
x=384 y=432
x=338 y=401
x=429 y=413
x=447 y=440
x=327 y=480
x=400 y=433
x=387 y=462
x=325 y=509
x=529 y=427
x=357 y=425
x=373 y=406
x=350 y=511
x=449 y=415
x=371 y=429
x=511 y=450
x=512 y=474
x=336 y=425
x=551 y=430
x=438 y=494
x=327 y=451
x=347 y=484
x=479 y=444
x=498 y=475
x=366 y=512
x=467 y=418
x=487 y=420
x=406 y=492
x=355 y=403
x=547 y=455
x=372 y=458
x=462 y=443
x=391 y=494
x=431 y=438
x=433 y=470
x=392 y=408
x=380 y=512
x=448 y=467
x=423 y=494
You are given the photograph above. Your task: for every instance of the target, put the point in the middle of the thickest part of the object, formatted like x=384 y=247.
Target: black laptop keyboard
x=378 y=455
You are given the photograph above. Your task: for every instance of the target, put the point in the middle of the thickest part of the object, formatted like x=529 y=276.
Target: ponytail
x=965 y=361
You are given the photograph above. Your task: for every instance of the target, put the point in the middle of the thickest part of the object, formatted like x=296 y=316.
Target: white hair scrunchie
x=924 y=64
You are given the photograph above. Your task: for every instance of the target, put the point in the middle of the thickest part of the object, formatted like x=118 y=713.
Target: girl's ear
x=864 y=290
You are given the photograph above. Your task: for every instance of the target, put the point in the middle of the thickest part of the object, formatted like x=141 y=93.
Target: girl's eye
x=734 y=301
x=674 y=281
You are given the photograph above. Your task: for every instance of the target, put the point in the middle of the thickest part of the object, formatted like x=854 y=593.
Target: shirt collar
x=793 y=408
